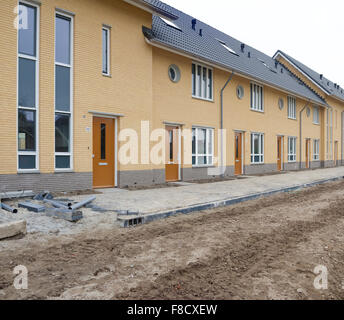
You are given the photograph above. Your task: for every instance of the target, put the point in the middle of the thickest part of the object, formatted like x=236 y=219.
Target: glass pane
x=193 y=79
x=202 y=160
x=201 y=141
x=193 y=141
x=62 y=162
x=204 y=83
x=27 y=162
x=63 y=39
x=210 y=84
x=27 y=31
x=62 y=133
x=103 y=141
x=26 y=130
x=62 y=89
x=27 y=83
x=171 y=145
x=210 y=142
x=199 y=72
x=193 y=160
x=105 y=51
x=256 y=144
x=210 y=160
x=256 y=159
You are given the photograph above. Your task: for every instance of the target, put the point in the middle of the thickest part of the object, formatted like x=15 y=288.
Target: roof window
x=170 y=23
x=227 y=47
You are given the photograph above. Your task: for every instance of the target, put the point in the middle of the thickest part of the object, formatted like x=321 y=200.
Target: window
x=316 y=148
x=316 y=116
x=63 y=91
x=28 y=90
x=202 y=146
x=257 y=148
x=291 y=149
x=170 y=23
x=257 y=97
x=202 y=82
x=291 y=108
x=106 y=50
x=227 y=47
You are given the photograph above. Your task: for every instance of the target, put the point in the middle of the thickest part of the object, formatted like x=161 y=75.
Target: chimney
x=276 y=64
x=321 y=77
x=281 y=70
x=194 y=21
x=249 y=54
x=201 y=32
x=242 y=47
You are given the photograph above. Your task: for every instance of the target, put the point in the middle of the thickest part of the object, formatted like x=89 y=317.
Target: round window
x=240 y=92
x=281 y=104
x=174 y=73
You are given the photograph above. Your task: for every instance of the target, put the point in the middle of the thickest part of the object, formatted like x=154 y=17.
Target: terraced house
x=77 y=73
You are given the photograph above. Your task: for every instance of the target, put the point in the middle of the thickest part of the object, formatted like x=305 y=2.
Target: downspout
x=303 y=109
x=221 y=121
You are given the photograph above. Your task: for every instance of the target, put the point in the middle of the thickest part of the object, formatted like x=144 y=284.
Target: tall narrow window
x=257 y=148
x=257 y=100
x=63 y=91
x=316 y=115
x=202 y=82
x=28 y=89
x=291 y=108
x=291 y=149
x=202 y=146
x=316 y=150
x=106 y=50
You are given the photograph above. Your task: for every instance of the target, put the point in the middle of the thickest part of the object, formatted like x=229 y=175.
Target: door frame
x=282 y=151
x=115 y=118
x=242 y=149
x=179 y=128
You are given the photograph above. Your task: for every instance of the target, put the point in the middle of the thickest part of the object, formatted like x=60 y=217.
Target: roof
x=328 y=86
x=155 y=6
x=211 y=47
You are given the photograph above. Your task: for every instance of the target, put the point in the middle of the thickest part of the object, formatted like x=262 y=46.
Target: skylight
x=170 y=23
x=263 y=62
x=227 y=47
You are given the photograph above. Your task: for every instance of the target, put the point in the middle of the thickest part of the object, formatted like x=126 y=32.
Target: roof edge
x=172 y=49
x=144 y=5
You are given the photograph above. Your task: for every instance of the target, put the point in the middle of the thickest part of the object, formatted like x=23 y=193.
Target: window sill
x=203 y=99
x=64 y=171
x=257 y=164
x=106 y=75
x=259 y=111
x=316 y=124
x=292 y=119
x=205 y=166
x=292 y=161
x=28 y=171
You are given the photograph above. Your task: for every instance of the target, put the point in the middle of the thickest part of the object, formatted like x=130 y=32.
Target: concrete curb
x=127 y=222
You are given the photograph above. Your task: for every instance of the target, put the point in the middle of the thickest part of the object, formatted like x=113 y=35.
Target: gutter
x=221 y=122
x=169 y=48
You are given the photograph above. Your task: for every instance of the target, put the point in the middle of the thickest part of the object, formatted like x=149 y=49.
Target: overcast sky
x=311 y=31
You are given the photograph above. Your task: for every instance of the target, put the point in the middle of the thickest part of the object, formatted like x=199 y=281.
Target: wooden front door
x=172 y=154
x=238 y=153
x=279 y=153
x=307 y=154
x=103 y=152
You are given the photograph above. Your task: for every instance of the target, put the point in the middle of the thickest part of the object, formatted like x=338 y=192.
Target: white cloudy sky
x=311 y=31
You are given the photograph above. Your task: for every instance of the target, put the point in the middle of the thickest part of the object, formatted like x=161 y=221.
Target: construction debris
x=12 y=229
x=128 y=213
x=82 y=203
x=31 y=206
x=43 y=196
x=66 y=214
x=57 y=204
x=17 y=194
x=8 y=208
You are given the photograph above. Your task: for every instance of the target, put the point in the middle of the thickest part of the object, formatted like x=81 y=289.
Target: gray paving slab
x=167 y=199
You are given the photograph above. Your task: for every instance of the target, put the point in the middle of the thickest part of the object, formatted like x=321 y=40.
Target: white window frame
x=261 y=148
x=316 y=115
x=204 y=92
x=257 y=97
x=316 y=150
x=36 y=109
x=108 y=30
x=207 y=155
x=291 y=107
x=70 y=113
x=292 y=156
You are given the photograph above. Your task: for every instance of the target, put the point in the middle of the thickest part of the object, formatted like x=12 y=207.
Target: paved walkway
x=164 y=199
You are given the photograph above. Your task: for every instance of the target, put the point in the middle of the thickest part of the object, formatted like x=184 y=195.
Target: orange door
x=103 y=152
x=172 y=153
x=279 y=153
x=307 y=154
x=238 y=153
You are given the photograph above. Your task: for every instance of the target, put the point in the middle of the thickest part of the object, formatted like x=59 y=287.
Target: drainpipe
x=221 y=122
x=303 y=109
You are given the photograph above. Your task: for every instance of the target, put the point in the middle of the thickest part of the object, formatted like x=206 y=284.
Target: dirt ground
x=262 y=249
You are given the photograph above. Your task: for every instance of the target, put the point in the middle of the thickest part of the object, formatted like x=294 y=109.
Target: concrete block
x=12 y=229
x=65 y=214
x=130 y=222
x=31 y=206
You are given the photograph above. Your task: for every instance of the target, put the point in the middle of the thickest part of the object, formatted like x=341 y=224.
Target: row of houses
x=85 y=84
